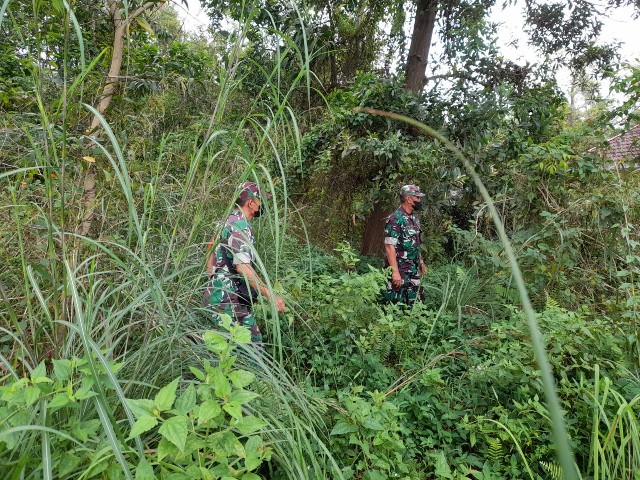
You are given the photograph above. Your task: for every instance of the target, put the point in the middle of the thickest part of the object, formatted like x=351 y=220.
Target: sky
x=619 y=26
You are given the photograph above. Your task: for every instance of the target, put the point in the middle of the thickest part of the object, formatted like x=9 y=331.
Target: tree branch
x=457 y=75
x=112 y=5
x=142 y=9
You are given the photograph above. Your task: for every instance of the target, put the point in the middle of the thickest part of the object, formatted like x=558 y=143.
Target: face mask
x=417 y=205
x=259 y=212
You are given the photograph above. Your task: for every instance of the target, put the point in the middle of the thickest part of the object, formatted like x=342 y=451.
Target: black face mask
x=417 y=206
x=259 y=212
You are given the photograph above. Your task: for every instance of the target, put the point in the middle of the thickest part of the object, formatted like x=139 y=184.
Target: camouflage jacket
x=234 y=246
x=402 y=230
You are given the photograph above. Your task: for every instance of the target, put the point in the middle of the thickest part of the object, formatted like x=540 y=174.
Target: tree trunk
x=120 y=25
x=373 y=235
x=423 y=27
x=114 y=72
x=89 y=184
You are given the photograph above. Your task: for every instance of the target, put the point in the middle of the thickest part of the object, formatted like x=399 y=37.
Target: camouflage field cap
x=413 y=190
x=251 y=190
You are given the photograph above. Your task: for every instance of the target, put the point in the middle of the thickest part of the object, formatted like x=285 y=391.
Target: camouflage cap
x=413 y=190
x=251 y=190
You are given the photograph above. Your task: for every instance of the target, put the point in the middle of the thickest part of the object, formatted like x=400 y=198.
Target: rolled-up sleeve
x=241 y=248
x=391 y=231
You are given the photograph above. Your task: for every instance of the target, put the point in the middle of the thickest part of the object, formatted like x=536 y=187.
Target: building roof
x=625 y=146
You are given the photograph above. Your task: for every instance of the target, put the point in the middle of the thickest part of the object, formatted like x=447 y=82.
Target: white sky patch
x=193 y=16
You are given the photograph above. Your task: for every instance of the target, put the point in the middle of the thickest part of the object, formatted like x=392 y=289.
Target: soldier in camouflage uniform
x=233 y=281
x=402 y=248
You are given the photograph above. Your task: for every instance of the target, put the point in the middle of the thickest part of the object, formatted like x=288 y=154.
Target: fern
x=551 y=303
x=551 y=469
x=402 y=343
x=509 y=295
x=462 y=276
x=495 y=453
x=382 y=345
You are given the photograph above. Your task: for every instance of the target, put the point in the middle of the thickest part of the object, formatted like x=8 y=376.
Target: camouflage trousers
x=221 y=298
x=408 y=292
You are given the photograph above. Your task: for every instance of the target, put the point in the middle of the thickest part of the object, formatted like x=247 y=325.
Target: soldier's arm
x=212 y=257
x=423 y=267
x=391 y=234
x=390 y=250
x=251 y=277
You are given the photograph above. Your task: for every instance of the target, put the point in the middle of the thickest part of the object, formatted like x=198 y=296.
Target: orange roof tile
x=625 y=146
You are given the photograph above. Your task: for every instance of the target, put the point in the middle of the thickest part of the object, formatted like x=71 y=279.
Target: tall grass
x=615 y=439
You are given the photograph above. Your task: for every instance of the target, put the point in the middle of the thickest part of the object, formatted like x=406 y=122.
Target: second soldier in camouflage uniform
x=402 y=248
x=233 y=281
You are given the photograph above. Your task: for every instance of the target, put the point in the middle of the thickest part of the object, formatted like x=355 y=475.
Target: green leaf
x=204 y=473
x=253 y=452
x=374 y=475
x=143 y=424
x=9 y=438
x=233 y=409
x=62 y=369
x=208 y=410
x=31 y=395
x=166 y=449
x=85 y=391
x=37 y=380
x=343 y=427
x=166 y=396
x=187 y=400
x=221 y=385
x=250 y=476
x=249 y=424
x=216 y=342
x=144 y=471
x=68 y=463
x=140 y=407
x=83 y=430
x=254 y=444
x=222 y=470
x=175 y=430
x=240 y=335
x=242 y=396
x=372 y=424
x=39 y=372
x=241 y=378
x=58 y=401
x=442 y=466
x=199 y=374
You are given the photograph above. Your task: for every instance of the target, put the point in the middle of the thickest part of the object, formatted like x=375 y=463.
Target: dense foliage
x=110 y=366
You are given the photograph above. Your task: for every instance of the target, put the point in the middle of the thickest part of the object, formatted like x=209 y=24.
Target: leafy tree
x=568 y=33
x=122 y=15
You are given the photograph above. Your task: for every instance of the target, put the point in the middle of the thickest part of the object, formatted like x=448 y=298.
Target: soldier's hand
x=423 y=269
x=396 y=279
x=280 y=306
